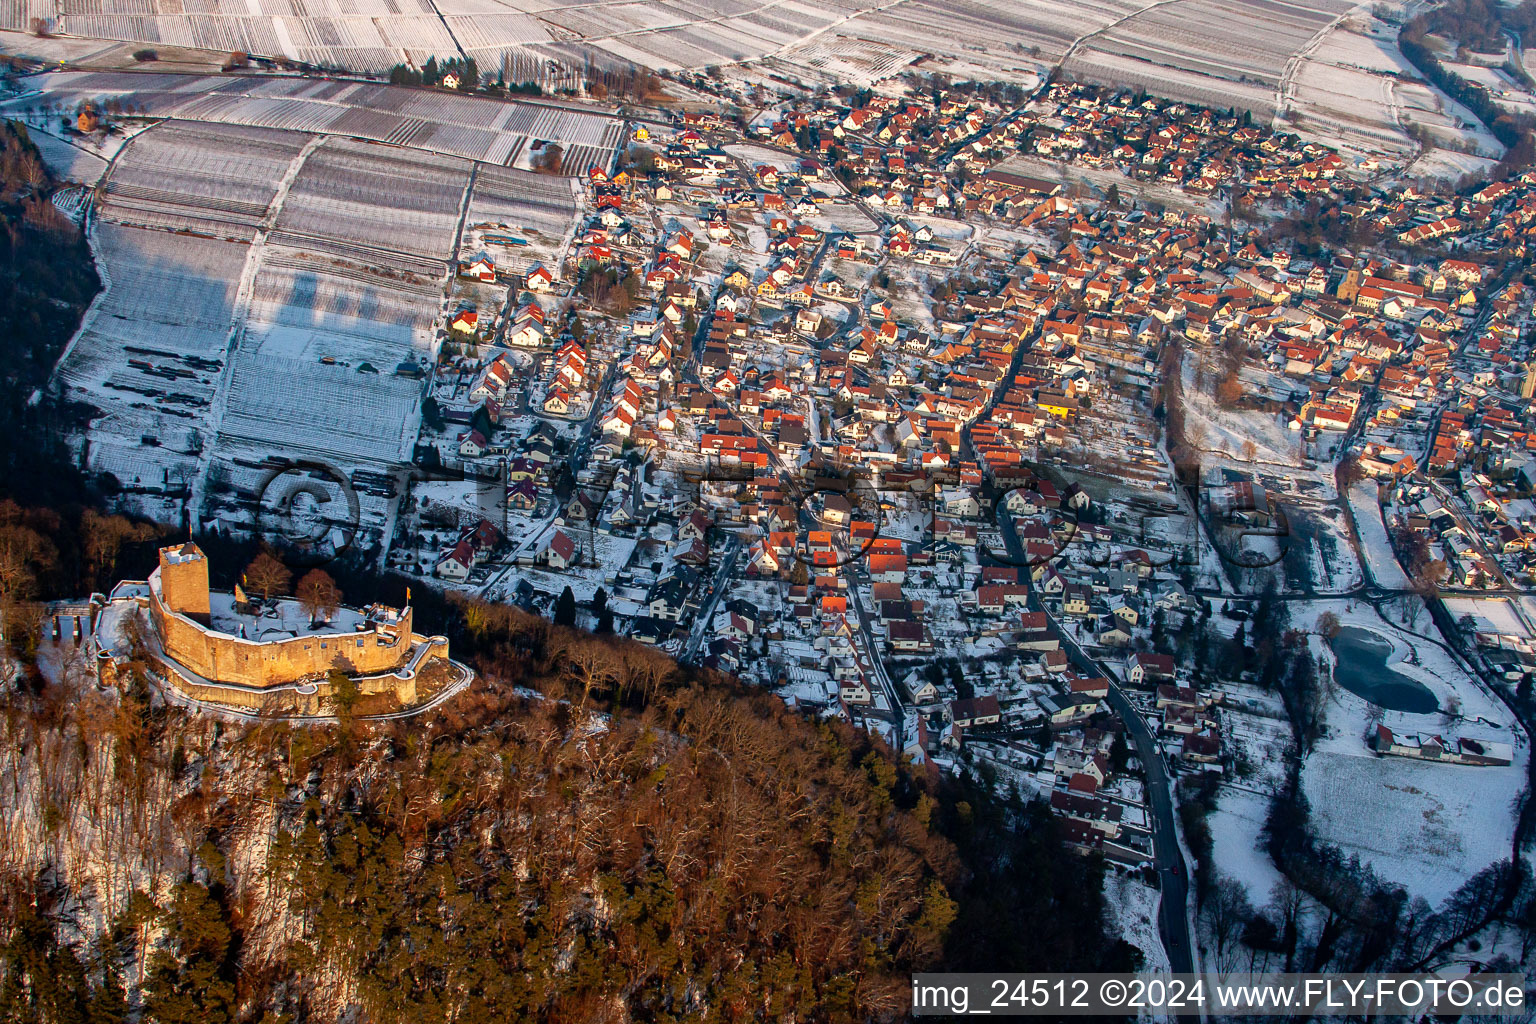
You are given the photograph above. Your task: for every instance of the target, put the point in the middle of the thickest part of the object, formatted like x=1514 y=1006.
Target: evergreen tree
x=43 y=981
x=565 y=608
x=191 y=981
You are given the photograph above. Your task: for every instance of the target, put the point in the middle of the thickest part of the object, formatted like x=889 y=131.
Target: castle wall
x=229 y=659
x=404 y=690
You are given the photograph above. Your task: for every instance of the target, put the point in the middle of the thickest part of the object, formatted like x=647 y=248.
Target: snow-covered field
x=208 y=357
x=150 y=352
x=1342 y=92
x=67 y=161
x=453 y=125
x=1376 y=549
x=1236 y=825
x=1237 y=54
x=1492 y=614
x=1428 y=827
x=216 y=180
x=1219 y=431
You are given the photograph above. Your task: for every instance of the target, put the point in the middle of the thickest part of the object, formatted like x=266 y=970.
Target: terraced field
x=1213 y=51
x=377 y=200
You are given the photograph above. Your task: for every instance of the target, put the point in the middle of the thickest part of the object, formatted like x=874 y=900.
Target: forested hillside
x=46 y=282
x=643 y=843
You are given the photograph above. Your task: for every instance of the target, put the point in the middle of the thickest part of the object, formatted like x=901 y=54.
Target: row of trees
x=317 y=592
x=434 y=71
x=1516 y=131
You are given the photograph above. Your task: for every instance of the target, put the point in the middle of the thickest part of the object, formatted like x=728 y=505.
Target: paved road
x=706 y=616
x=1173 y=913
x=898 y=713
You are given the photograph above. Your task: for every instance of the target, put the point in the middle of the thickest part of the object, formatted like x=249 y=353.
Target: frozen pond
x=1363 y=670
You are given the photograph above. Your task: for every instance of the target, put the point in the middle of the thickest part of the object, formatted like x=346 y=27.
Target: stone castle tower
x=184 y=581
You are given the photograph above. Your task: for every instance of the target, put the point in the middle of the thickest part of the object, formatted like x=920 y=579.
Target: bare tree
x=549 y=159
x=1349 y=472
x=318 y=594
x=267 y=576
x=592 y=666
x=1288 y=901
x=1227 y=912
x=103 y=537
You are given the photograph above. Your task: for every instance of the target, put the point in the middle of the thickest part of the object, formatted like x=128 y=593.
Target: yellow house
x=1057 y=407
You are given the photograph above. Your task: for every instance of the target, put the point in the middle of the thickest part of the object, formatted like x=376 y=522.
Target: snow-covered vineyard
x=1239 y=54
x=488 y=130
x=1209 y=51
x=150 y=355
x=279 y=293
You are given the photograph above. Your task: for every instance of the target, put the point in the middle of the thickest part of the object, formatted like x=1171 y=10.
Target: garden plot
x=214 y=179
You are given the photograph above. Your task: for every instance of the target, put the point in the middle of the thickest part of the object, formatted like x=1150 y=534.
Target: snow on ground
x=1448 y=164
x=1226 y=431
x=1426 y=826
x=1132 y=905
x=1380 y=561
x=1101 y=178
x=1491 y=614
x=67 y=161
x=1342 y=92
x=1238 y=847
x=1337 y=569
